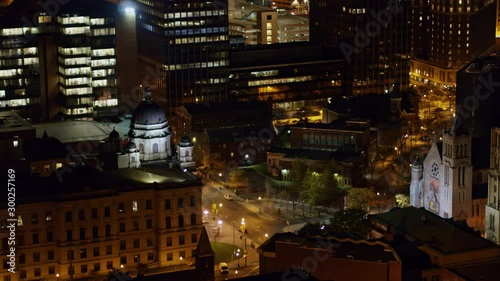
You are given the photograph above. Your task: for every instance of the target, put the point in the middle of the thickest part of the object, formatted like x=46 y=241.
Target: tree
x=312 y=229
x=360 y=198
x=351 y=220
x=320 y=188
x=217 y=162
x=235 y=176
x=299 y=169
x=403 y=200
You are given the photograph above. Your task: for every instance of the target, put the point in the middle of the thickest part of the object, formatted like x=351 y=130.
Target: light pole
x=220 y=180
x=180 y=262
x=234 y=241
x=220 y=210
x=243 y=231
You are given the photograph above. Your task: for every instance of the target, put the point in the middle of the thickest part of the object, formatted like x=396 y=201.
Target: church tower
x=417 y=173
x=185 y=150
x=205 y=257
x=396 y=103
x=456 y=197
x=492 y=212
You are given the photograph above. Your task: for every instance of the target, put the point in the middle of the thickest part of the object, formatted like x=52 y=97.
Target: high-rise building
x=61 y=65
x=446 y=35
x=373 y=36
x=184 y=55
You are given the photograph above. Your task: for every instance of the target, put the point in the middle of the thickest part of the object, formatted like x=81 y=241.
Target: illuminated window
x=15 y=143
x=2 y=93
x=20 y=220
x=134 y=206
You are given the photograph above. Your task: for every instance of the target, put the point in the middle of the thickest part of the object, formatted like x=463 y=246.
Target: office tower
x=446 y=35
x=183 y=50
x=61 y=65
x=373 y=35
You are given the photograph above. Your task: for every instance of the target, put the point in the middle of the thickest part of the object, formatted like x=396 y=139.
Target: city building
x=446 y=36
x=280 y=163
x=477 y=83
x=292 y=75
x=373 y=37
x=61 y=66
x=433 y=248
x=492 y=224
x=333 y=258
x=186 y=58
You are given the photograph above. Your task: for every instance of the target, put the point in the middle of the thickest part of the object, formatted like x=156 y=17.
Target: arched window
x=193 y=219
x=155 y=148
x=186 y=153
x=181 y=221
x=168 y=222
x=141 y=148
x=133 y=159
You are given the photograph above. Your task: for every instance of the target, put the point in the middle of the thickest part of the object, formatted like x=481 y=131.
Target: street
x=223 y=224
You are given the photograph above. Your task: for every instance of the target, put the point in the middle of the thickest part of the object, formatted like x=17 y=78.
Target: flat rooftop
x=12 y=122
x=74 y=131
x=438 y=233
x=489 y=271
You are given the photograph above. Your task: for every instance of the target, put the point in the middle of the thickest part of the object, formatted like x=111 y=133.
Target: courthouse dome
x=148 y=112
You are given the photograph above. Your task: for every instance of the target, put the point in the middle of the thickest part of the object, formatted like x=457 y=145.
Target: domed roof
x=148 y=113
x=114 y=134
x=185 y=141
x=131 y=145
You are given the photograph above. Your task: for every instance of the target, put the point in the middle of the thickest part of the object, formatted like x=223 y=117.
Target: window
x=136 y=225
x=182 y=240
x=180 y=203
x=149 y=242
x=170 y=256
x=22 y=273
x=107 y=212
x=34 y=218
x=149 y=204
x=95 y=251
x=122 y=227
x=6 y=278
x=48 y=216
x=167 y=204
x=109 y=265
x=150 y=256
x=95 y=232
x=123 y=244
x=81 y=215
x=35 y=238
x=192 y=199
x=50 y=236
x=182 y=254
x=193 y=219
x=50 y=255
x=36 y=256
x=97 y=267
x=22 y=258
x=83 y=253
x=121 y=207
x=137 y=243
x=123 y=260
x=194 y=238
x=168 y=223
x=37 y=272
x=149 y=223
x=52 y=269
x=181 y=220
x=169 y=241
x=109 y=249
x=69 y=235
x=137 y=258
x=83 y=268
x=70 y=255
x=94 y=213
x=82 y=233
x=68 y=216
x=134 y=206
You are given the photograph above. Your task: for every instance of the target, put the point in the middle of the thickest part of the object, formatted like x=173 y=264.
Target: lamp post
x=234 y=241
x=220 y=210
x=243 y=231
x=180 y=262
x=220 y=180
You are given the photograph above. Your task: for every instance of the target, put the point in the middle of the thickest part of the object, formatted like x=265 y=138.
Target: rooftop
x=228 y=135
x=74 y=131
x=352 y=124
x=346 y=248
x=315 y=154
x=488 y=271
x=440 y=234
x=12 y=122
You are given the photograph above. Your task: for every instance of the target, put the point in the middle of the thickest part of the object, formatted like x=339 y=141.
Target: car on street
x=223 y=268
x=228 y=197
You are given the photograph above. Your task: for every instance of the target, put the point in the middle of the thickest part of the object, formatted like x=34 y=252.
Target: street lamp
x=220 y=180
x=220 y=210
x=180 y=262
x=219 y=224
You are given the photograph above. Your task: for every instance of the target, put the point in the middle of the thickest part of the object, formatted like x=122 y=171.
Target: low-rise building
x=330 y=258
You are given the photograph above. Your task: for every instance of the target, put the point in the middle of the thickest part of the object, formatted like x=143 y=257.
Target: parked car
x=223 y=268
x=228 y=197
